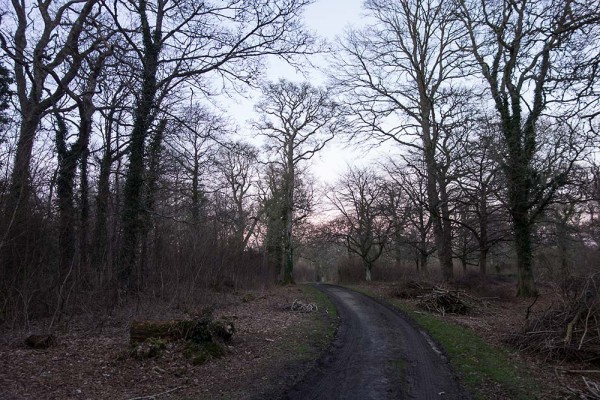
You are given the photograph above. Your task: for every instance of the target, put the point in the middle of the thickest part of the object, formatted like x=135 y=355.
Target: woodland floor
x=502 y=314
x=272 y=349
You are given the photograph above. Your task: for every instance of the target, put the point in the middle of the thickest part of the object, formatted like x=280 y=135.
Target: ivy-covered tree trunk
x=100 y=239
x=526 y=283
x=483 y=256
x=520 y=143
x=67 y=166
x=152 y=176
x=133 y=207
x=84 y=210
x=483 y=233
x=287 y=276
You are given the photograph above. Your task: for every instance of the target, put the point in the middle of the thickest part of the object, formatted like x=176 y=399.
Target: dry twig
x=154 y=396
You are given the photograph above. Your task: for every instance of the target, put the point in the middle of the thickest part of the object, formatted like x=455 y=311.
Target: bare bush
x=568 y=331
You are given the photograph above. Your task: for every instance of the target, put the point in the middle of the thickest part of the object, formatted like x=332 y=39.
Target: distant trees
x=238 y=164
x=400 y=80
x=297 y=120
x=478 y=195
x=360 y=197
x=416 y=229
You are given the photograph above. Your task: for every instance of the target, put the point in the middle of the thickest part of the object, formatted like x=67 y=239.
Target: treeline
x=120 y=176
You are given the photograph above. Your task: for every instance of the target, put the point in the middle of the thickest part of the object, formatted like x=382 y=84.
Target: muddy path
x=377 y=354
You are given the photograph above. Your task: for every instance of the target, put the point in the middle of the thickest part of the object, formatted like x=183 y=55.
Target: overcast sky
x=328 y=19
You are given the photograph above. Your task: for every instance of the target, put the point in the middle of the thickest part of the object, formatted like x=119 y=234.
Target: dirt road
x=377 y=354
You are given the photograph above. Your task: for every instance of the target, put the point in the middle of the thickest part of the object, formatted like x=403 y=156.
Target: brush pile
x=301 y=306
x=446 y=301
x=411 y=290
x=568 y=331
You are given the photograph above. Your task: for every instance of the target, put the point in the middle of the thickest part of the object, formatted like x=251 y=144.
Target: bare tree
x=193 y=143
x=48 y=42
x=418 y=221
x=114 y=99
x=360 y=198
x=72 y=152
x=179 y=42
x=400 y=79
x=520 y=48
x=298 y=120
x=46 y=57
x=478 y=195
x=238 y=164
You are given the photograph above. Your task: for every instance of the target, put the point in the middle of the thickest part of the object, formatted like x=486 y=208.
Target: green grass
x=302 y=347
x=478 y=363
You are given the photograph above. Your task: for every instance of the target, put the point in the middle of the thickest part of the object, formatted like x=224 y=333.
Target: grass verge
x=324 y=325
x=290 y=359
x=484 y=369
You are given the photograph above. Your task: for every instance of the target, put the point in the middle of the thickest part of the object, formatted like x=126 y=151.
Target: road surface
x=377 y=354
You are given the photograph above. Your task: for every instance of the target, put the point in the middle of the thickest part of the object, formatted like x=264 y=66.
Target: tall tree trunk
x=197 y=197
x=483 y=233
x=288 y=258
x=84 y=211
x=424 y=260
x=437 y=207
x=483 y=252
x=526 y=283
x=288 y=251
x=102 y=198
x=132 y=215
x=67 y=166
x=446 y=251
x=518 y=172
x=150 y=197
x=368 y=267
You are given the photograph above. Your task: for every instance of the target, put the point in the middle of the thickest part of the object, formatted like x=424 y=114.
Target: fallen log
x=40 y=341
x=195 y=330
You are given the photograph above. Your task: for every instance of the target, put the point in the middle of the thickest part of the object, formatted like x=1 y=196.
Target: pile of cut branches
x=411 y=290
x=568 y=331
x=446 y=301
x=299 y=305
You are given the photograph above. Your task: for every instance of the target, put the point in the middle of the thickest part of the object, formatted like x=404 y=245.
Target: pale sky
x=328 y=19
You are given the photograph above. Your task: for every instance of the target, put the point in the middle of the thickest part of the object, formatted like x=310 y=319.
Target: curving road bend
x=377 y=354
